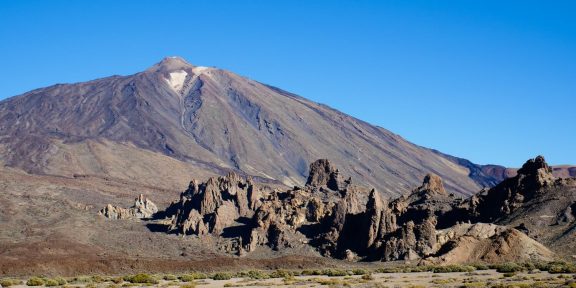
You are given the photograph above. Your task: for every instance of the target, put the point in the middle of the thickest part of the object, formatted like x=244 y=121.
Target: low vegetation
x=192 y=276
x=473 y=275
x=453 y=268
x=141 y=278
x=7 y=282
x=222 y=276
x=35 y=281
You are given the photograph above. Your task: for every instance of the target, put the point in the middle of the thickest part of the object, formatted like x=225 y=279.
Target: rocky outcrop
x=212 y=206
x=534 y=201
x=483 y=242
x=322 y=173
x=143 y=208
x=347 y=221
x=260 y=216
x=115 y=212
x=532 y=181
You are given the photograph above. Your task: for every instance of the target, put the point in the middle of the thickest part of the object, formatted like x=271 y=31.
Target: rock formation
x=347 y=221
x=212 y=206
x=143 y=208
x=534 y=201
x=506 y=197
x=260 y=217
x=483 y=242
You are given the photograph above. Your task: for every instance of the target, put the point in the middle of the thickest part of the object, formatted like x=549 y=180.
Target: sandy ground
x=486 y=278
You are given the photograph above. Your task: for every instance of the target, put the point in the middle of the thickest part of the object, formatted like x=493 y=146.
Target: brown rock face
x=433 y=185
x=535 y=202
x=193 y=224
x=322 y=173
x=533 y=179
x=212 y=206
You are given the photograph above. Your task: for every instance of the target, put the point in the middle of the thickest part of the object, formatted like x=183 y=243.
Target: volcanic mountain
x=175 y=119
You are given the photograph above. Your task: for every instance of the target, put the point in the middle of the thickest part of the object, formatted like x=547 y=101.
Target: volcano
x=175 y=119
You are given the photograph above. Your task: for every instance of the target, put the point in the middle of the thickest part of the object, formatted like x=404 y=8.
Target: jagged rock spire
x=323 y=173
x=433 y=184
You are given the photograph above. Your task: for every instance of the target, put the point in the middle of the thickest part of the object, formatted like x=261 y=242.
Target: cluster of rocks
x=210 y=207
x=143 y=208
x=510 y=195
x=344 y=220
x=259 y=216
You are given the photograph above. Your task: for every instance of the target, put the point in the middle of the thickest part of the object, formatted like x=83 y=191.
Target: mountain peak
x=169 y=64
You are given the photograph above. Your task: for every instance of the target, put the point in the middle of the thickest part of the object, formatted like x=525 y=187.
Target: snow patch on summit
x=199 y=69
x=176 y=80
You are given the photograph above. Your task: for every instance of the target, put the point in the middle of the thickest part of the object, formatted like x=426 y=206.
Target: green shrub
x=142 y=278
x=310 y=272
x=192 y=276
x=508 y=267
x=560 y=267
x=254 y=274
x=281 y=274
x=50 y=282
x=528 y=266
x=359 y=272
x=170 y=277
x=186 y=278
x=222 y=276
x=388 y=270
x=61 y=281
x=9 y=282
x=453 y=268
x=334 y=272
x=188 y=285
x=35 y=281
x=480 y=266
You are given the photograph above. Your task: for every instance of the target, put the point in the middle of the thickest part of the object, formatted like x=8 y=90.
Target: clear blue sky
x=490 y=81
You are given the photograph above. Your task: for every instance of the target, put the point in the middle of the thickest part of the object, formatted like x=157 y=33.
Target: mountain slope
x=209 y=121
